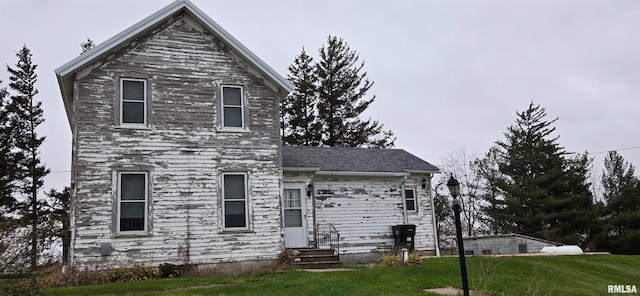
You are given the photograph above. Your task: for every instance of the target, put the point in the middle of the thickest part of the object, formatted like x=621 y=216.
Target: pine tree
x=299 y=118
x=58 y=212
x=7 y=200
x=545 y=195
x=25 y=114
x=338 y=87
x=622 y=209
x=494 y=205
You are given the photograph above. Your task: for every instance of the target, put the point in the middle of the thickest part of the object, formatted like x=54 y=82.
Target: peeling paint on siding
x=180 y=63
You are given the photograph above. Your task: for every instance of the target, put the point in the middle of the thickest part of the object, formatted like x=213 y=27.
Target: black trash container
x=404 y=236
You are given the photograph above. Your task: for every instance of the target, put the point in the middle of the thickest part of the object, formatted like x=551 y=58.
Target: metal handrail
x=328 y=235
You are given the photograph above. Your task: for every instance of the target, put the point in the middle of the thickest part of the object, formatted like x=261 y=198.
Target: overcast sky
x=448 y=75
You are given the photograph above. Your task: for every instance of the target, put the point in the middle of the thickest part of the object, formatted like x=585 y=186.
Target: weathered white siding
x=363 y=209
x=182 y=149
x=423 y=217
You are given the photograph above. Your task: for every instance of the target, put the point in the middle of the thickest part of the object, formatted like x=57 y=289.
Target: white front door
x=295 y=214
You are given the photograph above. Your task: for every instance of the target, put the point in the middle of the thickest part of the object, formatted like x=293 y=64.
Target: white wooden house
x=176 y=157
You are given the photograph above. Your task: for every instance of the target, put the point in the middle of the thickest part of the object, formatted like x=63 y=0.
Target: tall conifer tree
x=342 y=91
x=494 y=207
x=7 y=200
x=299 y=118
x=325 y=109
x=25 y=115
x=622 y=209
x=545 y=194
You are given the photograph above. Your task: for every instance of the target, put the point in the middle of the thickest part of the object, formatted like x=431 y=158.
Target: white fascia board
x=362 y=174
x=422 y=172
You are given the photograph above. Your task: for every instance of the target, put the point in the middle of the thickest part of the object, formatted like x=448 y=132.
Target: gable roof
x=347 y=159
x=65 y=73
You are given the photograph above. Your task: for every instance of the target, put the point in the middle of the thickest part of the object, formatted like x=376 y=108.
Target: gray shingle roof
x=353 y=159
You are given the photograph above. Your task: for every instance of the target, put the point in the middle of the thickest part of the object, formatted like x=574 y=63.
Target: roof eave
x=300 y=169
x=436 y=171
x=362 y=174
x=66 y=94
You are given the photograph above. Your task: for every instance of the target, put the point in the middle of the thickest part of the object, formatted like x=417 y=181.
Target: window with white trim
x=235 y=203
x=133 y=101
x=232 y=107
x=410 y=199
x=133 y=196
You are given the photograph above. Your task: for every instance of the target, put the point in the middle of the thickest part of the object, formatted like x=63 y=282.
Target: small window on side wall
x=133 y=101
x=232 y=107
x=132 y=202
x=410 y=199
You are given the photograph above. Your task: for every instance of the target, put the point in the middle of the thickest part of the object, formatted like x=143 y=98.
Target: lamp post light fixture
x=454 y=188
x=424 y=183
x=309 y=190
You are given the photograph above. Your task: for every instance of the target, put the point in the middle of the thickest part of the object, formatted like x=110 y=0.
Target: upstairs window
x=234 y=191
x=132 y=202
x=232 y=107
x=133 y=101
x=410 y=199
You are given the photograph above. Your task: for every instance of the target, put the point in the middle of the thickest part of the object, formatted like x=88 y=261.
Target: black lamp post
x=454 y=188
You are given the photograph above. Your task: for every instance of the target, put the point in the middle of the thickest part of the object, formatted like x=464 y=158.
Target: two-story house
x=176 y=157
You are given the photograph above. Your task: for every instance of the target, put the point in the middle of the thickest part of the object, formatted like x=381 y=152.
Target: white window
x=133 y=197
x=410 y=199
x=133 y=101
x=234 y=197
x=232 y=107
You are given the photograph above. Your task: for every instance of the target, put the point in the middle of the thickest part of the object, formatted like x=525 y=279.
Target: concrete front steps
x=316 y=259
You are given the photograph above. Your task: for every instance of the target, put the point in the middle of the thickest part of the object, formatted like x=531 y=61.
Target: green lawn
x=557 y=275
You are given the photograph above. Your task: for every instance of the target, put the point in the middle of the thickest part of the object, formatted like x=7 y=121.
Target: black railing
x=328 y=236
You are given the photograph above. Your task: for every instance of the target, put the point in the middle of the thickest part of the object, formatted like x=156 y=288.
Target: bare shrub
x=285 y=259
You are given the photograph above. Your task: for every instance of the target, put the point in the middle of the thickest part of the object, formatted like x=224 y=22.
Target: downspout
x=433 y=218
x=404 y=202
x=313 y=210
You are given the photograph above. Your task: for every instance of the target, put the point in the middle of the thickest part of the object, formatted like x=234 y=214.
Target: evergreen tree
x=545 y=195
x=571 y=211
x=25 y=114
x=493 y=207
x=330 y=96
x=622 y=209
x=7 y=200
x=58 y=212
x=342 y=88
x=299 y=119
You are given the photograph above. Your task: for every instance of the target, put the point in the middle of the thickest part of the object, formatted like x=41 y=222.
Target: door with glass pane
x=295 y=213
